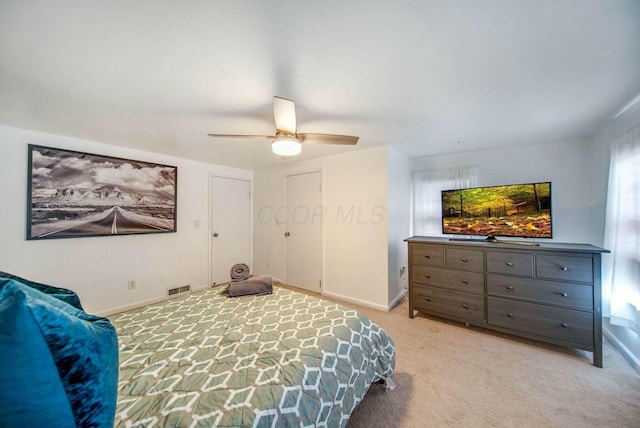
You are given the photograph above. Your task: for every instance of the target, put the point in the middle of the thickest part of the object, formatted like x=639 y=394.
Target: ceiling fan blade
x=284 y=113
x=241 y=136
x=345 y=140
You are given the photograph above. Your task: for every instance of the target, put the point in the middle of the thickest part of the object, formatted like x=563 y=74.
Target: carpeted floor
x=450 y=375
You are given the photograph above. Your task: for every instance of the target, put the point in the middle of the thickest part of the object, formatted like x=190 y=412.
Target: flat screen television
x=515 y=210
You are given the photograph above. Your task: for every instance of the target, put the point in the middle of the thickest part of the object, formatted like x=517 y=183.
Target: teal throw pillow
x=84 y=349
x=59 y=293
x=31 y=392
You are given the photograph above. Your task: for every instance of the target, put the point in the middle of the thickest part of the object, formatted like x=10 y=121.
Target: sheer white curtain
x=621 y=279
x=427 y=198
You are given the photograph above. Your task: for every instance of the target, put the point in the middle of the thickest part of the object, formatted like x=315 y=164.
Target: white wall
x=568 y=165
x=399 y=204
x=98 y=268
x=355 y=223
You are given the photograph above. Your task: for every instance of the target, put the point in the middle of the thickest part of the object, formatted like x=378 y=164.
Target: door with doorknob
x=230 y=226
x=303 y=231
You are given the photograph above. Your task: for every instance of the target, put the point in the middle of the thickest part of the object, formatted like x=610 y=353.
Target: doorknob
x=287 y=234
x=215 y=234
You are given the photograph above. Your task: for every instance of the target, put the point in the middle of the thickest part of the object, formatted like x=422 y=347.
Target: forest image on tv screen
x=520 y=210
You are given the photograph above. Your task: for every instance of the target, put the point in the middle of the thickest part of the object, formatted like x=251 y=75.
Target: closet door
x=230 y=226
x=303 y=231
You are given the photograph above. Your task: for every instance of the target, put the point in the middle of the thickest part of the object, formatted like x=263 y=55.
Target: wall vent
x=177 y=290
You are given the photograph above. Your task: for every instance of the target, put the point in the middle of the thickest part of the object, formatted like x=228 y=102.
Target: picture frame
x=73 y=194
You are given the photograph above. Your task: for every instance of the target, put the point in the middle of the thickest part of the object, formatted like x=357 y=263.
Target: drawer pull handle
x=464 y=281
x=564 y=294
x=464 y=259
x=509 y=287
x=427 y=256
x=509 y=263
x=564 y=268
x=509 y=314
x=426 y=275
x=564 y=325
x=427 y=298
x=464 y=305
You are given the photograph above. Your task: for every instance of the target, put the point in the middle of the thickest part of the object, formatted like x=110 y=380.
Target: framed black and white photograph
x=73 y=194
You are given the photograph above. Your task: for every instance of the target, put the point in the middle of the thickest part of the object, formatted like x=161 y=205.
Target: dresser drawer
x=577 y=296
x=472 y=260
x=427 y=255
x=555 y=323
x=449 y=303
x=566 y=268
x=472 y=282
x=510 y=263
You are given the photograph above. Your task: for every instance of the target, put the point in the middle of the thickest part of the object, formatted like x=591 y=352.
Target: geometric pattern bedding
x=284 y=359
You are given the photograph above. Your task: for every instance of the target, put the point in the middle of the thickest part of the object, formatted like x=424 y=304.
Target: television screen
x=517 y=210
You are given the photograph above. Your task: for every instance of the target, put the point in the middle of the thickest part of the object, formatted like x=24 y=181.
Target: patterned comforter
x=286 y=359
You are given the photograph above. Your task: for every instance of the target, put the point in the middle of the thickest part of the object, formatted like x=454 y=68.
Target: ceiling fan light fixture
x=287 y=142
x=286 y=146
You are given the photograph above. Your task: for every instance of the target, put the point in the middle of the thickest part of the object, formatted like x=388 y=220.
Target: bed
x=283 y=359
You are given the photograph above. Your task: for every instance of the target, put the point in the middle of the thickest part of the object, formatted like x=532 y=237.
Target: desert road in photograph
x=114 y=221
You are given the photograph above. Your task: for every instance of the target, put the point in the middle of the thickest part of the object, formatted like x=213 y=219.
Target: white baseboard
x=124 y=308
x=356 y=301
x=136 y=305
x=621 y=347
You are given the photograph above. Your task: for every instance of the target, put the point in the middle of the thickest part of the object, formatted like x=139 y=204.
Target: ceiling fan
x=288 y=142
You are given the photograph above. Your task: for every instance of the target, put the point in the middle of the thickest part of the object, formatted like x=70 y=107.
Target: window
x=427 y=185
x=621 y=279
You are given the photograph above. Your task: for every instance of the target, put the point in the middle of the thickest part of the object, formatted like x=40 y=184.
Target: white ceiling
x=429 y=77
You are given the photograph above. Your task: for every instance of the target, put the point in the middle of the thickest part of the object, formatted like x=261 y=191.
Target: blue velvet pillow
x=85 y=351
x=31 y=392
x=59 y=293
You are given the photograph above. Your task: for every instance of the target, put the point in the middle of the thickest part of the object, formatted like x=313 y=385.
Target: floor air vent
x=177 y=290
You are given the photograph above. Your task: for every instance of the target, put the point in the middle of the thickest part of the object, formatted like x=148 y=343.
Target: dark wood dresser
x=549 y=292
